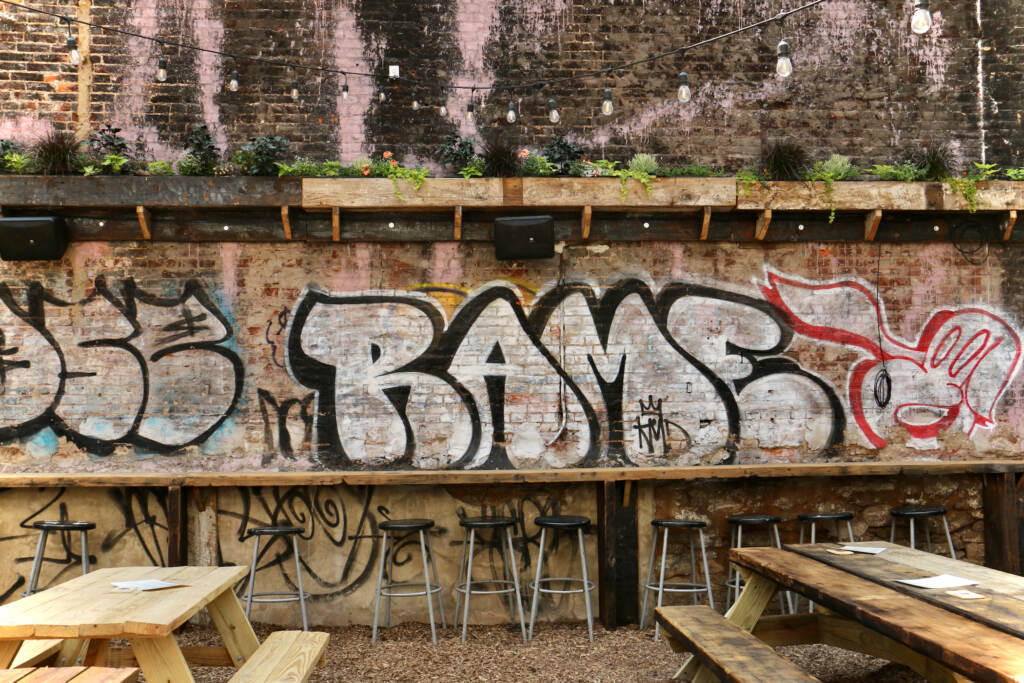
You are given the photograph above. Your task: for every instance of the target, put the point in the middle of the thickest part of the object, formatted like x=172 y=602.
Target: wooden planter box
x=872 y=195
x=153 y=192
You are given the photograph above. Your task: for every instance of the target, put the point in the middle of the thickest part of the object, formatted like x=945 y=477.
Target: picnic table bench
x=69 y=674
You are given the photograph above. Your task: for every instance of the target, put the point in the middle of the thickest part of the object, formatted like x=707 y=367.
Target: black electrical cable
x=972 y=231
x=883 y=381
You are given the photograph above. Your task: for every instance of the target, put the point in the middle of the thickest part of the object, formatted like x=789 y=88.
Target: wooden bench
x=727 y=651
x=285 y=656
x=72 y=674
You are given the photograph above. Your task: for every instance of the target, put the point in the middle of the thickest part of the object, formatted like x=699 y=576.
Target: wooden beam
x=588 y=212
x=606 y=577
x=705 y=223
x=1001 y=534
x=871 y=222
x=457 y=224
x=145 y=221
x=335 y=224
x=177 y=527
x=763 y=221
x=286 y=222
x=627 y=555
x=1008 y=222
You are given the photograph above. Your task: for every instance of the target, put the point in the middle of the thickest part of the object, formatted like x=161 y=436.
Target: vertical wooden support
x=763 y=221
x=335 y=224
x=588 y=212
x=627 y=554
x=145 y=221
x=177 y=526
x=871 y=222
x=606 y=577
x=1008 y=223
x=1002 y=536
x=705 y=223
x=286 y=222
x=457 y=224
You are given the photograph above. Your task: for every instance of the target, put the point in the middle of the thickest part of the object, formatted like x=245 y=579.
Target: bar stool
x=813 y=518
x=922 y=512
x=45 y=528
x=734 y=582
x=275 y=596
x=500 y=586
x=691 y=586
x=562 y=523
x=392 y=528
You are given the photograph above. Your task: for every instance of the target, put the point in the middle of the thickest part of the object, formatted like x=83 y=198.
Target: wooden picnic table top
x=89 y=607
x=69 y=674
x=961 y=642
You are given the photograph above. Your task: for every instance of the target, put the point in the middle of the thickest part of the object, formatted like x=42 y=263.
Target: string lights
x=921 y=22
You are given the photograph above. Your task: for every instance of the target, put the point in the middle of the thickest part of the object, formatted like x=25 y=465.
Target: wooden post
x=286 y=222
x=606 y=578
x=1008 y=222
x=588 y=212
x=763 y=221
x=145 y=220
x=627 y=554
x=335 y=224
x=457 y=224
x=177 y=527
x=1002 y=537
x=705 y=223
x=871 y=222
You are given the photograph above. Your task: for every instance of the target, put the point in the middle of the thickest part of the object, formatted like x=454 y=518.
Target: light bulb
x=553 y=115
x=344 y=91
x=233 y=83
x=161 y=69
x=784 y=67
x=415 y=105
x=469 y=111
x=381 y=97
x=74 y=58
x=511 y=115
x=683 y=94
x=295 y=90
x=922 y=19
x=607 y=106
x=444 y=109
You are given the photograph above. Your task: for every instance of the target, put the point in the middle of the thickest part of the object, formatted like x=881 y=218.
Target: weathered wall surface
x=368 y=356
x=864 y=85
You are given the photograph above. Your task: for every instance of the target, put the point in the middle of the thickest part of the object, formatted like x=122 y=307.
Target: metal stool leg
x=298 y=579
x=426 y=581
x=469 y=585
x=849 y=530
x=380 y=582
x=586 y=585
x=85 y=552
x=462 y=571
x=693 y=562
x=928 y=533
x=437 y=581
x=37 y=562
x=949 y=537
x=515 y=580
x=647 y=583
x=913 y=542
x=391 y=577
x=707 y=574
x=892 y=532
x=536 y=583
x=252 y=578
x=661 y=579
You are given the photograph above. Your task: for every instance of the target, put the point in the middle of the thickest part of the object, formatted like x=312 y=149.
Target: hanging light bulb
x=469 y=111
x=415 y=105
x=511 y=115
x=295 y=90
x=784 y=67
x=381 y=97
x=161 y=70
x=922 y=19
x=233 y=83
x=74 y=58
x=683 y=94
x=553 y=115
x=344 y=91
x=444 y=108
x=607 y=106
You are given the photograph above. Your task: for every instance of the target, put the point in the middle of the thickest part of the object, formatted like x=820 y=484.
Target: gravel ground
x=558 y=652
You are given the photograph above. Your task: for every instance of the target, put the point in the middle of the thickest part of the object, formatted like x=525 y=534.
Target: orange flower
x=393 y=162
x=523 y=153
x=386 y=155
x=366 y=170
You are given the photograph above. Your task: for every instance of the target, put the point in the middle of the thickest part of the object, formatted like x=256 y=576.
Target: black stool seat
x=274 y=531
x=562 y=521
x=55 y=525
x=918 y=511
x=406 y=524
x=753 y=518
x=679 y=523
x=825 y=516
x=486 y=522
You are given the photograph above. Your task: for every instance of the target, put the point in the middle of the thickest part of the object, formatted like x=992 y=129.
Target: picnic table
x=863 y=607
x=70 y=674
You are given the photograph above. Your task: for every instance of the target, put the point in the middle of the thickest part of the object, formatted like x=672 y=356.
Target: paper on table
x=144 y=584
x=863 y=549
x=940 y=581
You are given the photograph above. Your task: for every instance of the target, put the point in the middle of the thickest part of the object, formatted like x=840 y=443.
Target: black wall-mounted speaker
x=42 y=238
x=517 y=238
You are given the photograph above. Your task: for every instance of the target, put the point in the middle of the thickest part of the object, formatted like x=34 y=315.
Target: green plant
x=500 y=160
x=784 y=161
x=644 y=163
x=107 y=141
x=967 y=183
x=91 y=170
x=261 y=155
x=749 y=178
x=828 y=172
x=689 y=171
x=56 y=153
x=160 y=168
x=115 y=164
x=8 y=146
x=536 y=165
x=906 y=172
x=202 y=156
x=936 y=160
x=389 y=168
x=20 y=163
x=1015 y=173
x=605 y=167
x=456 y=152
x=473 y=169
x=562 y=153
x=309 y=168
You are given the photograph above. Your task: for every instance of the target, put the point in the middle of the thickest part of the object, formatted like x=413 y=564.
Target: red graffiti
x=963 y=359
